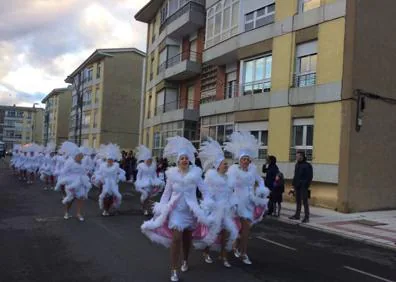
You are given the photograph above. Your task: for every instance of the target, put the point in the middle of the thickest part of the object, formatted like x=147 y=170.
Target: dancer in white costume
x=222 y=204
x=88 y=162
x=110 y=174
x=48 y=166
x=177 y=215
x=147 y=182
x=248 y=187
x=16 y=154
x=74 y=179
x=31 y=162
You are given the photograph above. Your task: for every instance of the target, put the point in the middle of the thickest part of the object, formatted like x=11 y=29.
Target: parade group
x=230 y=201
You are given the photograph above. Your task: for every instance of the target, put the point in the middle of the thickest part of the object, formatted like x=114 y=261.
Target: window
x=98 y=70
x=190 y=97
x=302 y=137
x=260 y=17
x=216 y=127
x=257 y=75
x=97 y=95
x=260 y=131
x=231 y=87
x=89 y=74
x=222 y=21
x=95 y=119
x=306 y=60
x=159 y=103
x=306 y=5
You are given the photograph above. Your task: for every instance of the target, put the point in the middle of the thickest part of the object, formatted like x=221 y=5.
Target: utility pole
x=78 y=86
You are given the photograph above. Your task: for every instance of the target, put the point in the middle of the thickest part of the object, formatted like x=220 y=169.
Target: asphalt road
x=37 y=244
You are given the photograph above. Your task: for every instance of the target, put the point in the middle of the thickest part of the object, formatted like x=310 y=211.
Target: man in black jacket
x=303 y=175
x=271 y=173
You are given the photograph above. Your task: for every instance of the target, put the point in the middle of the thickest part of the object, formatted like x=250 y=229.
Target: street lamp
x=34 y=108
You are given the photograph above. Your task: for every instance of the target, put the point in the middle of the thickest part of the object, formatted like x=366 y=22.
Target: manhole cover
x=368 y=222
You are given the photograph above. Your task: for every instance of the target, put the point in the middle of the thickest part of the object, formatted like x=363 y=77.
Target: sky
x=43 y=41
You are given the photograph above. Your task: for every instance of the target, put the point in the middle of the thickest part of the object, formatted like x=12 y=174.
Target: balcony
x=304 y=79
x=181 y=67
x=174 y=111
x=247 y=96
x=186 y=20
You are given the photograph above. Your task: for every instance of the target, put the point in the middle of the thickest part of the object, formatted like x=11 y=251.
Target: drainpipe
x=142 y=97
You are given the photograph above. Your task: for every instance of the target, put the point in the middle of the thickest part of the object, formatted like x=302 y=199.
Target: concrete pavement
x=37 y=244
x=376 y=228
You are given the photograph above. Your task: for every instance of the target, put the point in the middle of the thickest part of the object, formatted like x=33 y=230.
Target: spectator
x=303 y=175
x=276 y=196
x=272 y=171
x=198 y=161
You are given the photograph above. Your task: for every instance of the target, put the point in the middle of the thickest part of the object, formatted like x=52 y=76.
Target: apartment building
x=56 y=115
x=106 y=92
x=21 y=125
x=175 y=43
x=288 y=72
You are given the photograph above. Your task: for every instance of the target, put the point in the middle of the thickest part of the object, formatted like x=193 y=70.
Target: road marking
x=367 y=274
x=276 y=243
x=115 y=234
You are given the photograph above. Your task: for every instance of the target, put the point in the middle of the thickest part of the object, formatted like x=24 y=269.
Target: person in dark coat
x=278 y=188
x=271 y=171
x=303 y=175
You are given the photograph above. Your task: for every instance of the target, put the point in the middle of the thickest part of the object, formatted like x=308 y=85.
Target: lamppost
x=34 y=108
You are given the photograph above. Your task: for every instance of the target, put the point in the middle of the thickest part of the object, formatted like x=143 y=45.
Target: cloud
x=42 y=41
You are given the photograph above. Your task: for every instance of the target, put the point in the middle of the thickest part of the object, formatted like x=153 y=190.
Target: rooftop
x=100 y=54
x=53 y=93
x=147 y=13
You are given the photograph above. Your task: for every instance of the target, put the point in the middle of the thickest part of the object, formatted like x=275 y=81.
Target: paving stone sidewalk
x=375 y=228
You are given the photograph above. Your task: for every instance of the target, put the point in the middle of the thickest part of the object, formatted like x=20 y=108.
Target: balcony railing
x=175 y=105
x=192 y=6
x=304 y=79
x=293 y=151
x=184 y=56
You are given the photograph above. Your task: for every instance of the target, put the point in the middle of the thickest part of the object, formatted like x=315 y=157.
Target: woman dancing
x=147 y=182
x=178 y=213
x=248 y=186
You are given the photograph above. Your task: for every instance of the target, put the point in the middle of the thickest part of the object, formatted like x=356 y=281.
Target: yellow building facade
x=285 y=71
x=56 y=116
x=105 y=98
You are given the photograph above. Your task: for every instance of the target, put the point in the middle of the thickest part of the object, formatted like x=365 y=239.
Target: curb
x=334 y=232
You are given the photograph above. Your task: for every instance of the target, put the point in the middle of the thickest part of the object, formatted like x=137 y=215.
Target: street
x=37 y=244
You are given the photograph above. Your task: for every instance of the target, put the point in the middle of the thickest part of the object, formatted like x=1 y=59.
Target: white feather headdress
x=112 y=152
x=50 y=147
x=211 y=154
x=143 y=153
x=16 y=147
x=179 y=146
x=85 y=150
x=241 y=144
x=69 y=148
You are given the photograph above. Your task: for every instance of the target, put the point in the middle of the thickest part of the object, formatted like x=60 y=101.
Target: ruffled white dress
x=147 y=183
x=59 y=163
x=250 y=192
x=75 y=180
x=110 y=176
x=47 y=167
x=221 y=204
x=178 y=207
x=88 y=164
x=31 y=164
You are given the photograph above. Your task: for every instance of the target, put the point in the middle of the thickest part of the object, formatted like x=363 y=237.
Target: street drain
x=368 y=222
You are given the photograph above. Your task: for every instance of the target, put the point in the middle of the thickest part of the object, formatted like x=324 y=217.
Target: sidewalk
x=375 y=228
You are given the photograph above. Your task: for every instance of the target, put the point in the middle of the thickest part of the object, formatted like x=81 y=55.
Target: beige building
x=106 y=91
x=56 y=116
x=288 y=71
x=21 y=125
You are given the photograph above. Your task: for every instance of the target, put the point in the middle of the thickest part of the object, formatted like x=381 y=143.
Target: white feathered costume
x=15 y=155
x=248 y=186
x=110 y=176
x=73 y=176
x=147 y=182
x=31 y=163
x=48 y=165
x=222 y=203
x=178 y=207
